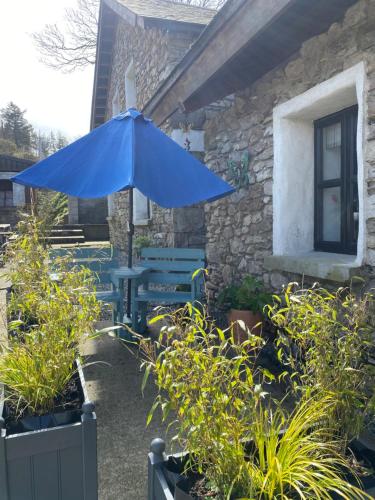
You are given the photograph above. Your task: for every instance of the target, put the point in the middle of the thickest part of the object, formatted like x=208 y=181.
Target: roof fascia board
x=246 y=18
x=92 y=118
x=126 y=14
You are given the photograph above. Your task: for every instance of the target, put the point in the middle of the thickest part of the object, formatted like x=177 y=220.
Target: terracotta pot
x=249 y=318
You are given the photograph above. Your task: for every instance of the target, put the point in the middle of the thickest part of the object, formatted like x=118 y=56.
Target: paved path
x=123 y=438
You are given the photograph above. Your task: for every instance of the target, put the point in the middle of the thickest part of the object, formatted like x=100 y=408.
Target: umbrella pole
x=130 y=249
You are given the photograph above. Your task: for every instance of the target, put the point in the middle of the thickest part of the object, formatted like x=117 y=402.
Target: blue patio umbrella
x=127 y=152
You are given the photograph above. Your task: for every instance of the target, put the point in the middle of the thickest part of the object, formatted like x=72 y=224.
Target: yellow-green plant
x=326 y=339
x=51 y=313
x=26 y=257
x=35 y=374
x=228 y=423
x=296 y=455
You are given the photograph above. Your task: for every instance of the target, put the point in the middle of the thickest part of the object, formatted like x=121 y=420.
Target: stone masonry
x=239 y=228
x=154 y=53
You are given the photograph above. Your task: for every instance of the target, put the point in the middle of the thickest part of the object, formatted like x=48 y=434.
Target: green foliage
x=19 y=138
x=296 y=455
x=51 y=207
x=231 y=427
x=15 y=127
x=141 y=242
x=7 y=147
x=327 y=342
x=35 y=373
x=50 y=318
x=250 y=295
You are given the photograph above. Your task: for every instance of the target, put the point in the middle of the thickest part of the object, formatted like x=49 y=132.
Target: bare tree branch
x=73 y=45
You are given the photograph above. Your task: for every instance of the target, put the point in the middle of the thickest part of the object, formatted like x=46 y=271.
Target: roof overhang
x=244 y=41
x=103 y=63
x=109 y=14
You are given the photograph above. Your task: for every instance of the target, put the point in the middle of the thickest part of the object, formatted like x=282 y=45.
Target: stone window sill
x=328 y=266
x=142 y=222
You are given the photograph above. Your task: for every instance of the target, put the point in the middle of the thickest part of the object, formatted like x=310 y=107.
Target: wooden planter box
x=50 y=464
x=162 y=481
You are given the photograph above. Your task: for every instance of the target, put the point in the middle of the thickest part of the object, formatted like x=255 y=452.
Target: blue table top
x=124 y=272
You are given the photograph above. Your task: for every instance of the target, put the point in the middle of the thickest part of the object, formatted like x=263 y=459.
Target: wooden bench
x=169 y=270
x=101 y=261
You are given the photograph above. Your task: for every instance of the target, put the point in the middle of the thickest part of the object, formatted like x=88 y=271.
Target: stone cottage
x=296 y=136
x=139 y=44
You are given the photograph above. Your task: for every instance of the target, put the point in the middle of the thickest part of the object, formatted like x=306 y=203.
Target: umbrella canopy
x=128 y=151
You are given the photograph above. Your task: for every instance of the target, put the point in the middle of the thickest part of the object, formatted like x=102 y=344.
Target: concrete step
x=68 y=226
x=66 y=232
x=59 y=240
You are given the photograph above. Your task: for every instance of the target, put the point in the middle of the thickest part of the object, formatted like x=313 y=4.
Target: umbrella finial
x=131 y=113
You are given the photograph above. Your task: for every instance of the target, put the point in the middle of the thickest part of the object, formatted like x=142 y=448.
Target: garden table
x=130 y=274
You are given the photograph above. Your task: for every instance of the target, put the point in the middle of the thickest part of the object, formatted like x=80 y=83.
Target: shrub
x=35 y=373
x=230 y=426
x=51 y=313
x=248 y=296
x=327 y=341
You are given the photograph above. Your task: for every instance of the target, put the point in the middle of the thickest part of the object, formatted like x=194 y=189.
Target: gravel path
x=123 y=438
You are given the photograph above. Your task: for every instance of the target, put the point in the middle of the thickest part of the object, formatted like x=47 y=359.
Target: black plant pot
x=182 y=488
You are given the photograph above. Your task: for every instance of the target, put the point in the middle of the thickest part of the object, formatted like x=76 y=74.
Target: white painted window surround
x=141 y=204
x=293 y=178
x=116 y=109
x=130 y=87
x=19 y=198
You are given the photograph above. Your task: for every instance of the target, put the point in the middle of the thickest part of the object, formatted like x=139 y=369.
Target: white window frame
x=141 y=204
x=130 y=87
x=293 y=178
x=116 y=109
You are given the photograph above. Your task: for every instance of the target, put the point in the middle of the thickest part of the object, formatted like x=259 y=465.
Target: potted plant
x=237 y=441
x=326 y=340
x=245 y=303
x=141 y=242
x=46 y=419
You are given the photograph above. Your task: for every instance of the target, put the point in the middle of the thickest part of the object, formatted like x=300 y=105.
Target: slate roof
x=169 y=10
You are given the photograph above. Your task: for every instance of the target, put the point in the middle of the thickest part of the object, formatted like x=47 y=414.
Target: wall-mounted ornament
x=238 y=171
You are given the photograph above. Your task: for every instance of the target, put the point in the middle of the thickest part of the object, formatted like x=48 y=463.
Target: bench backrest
x=173 y=266
x=100 y=260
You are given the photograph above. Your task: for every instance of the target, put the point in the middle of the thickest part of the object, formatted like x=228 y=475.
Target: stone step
x=68 y=226
x=66 y=232
x=56 y=240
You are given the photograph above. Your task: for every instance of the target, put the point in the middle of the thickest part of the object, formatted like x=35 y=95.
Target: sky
x=53 y=100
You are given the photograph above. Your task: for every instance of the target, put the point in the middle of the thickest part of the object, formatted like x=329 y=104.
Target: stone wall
x=154 y=53
x=239 y=228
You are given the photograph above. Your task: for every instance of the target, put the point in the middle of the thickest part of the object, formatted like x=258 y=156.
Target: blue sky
x=53 y=100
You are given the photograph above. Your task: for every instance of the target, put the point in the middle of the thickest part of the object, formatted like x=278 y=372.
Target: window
x=336 y=187
x=141 y=204
x=6 y=193
x=116 y=107
x=130 y=87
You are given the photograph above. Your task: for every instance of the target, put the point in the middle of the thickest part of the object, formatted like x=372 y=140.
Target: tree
x=7 y=147
x=19 y=138
x=15 y=127
x=73 y=45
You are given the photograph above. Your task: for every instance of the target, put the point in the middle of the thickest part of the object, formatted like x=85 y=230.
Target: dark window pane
x=332 y=214
x=332 y=152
